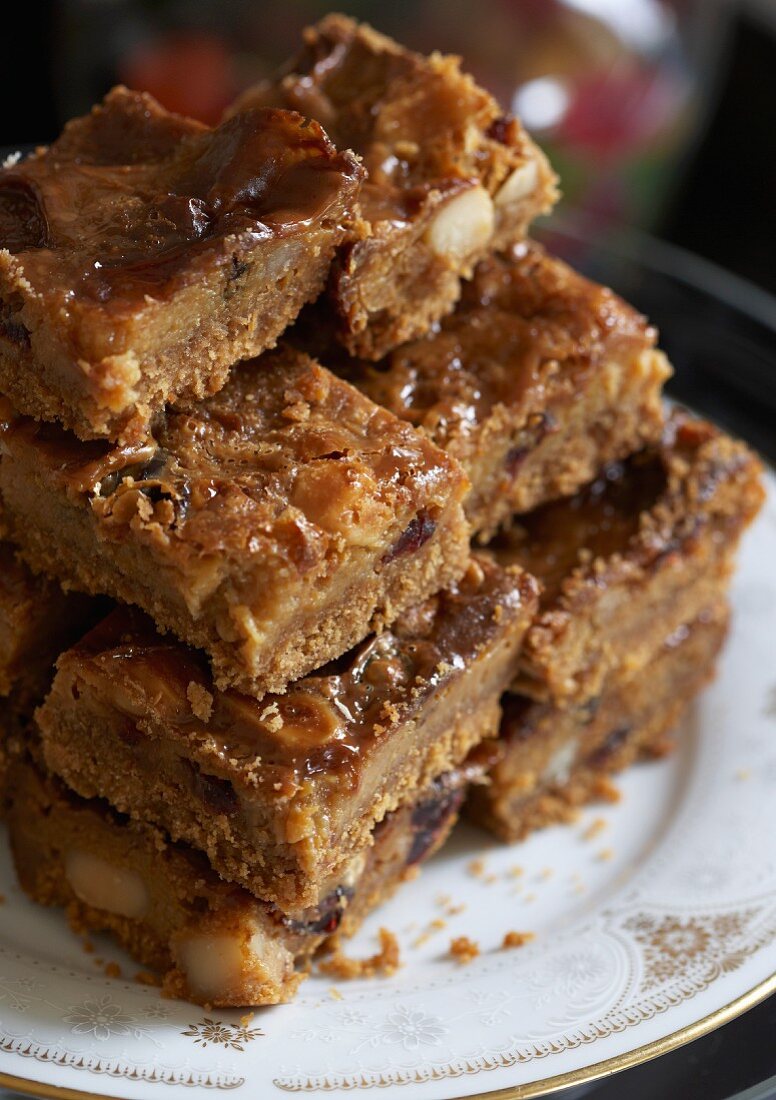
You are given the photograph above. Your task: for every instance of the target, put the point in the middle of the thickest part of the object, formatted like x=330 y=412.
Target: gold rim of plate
x=636 y=1057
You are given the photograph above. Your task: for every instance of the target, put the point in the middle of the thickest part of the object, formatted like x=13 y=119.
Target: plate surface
x=650 y=916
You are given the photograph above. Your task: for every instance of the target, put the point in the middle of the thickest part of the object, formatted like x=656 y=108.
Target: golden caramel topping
x=331 y=718
x=133 y=201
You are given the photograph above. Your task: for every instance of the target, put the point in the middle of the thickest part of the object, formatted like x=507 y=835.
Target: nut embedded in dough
x=100 y=884
x=463 y=226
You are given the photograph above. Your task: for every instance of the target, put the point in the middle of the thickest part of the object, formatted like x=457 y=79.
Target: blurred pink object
x=188 y=72
x=604 y=86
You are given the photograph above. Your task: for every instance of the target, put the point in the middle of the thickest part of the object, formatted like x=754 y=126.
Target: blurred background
x=658 y=114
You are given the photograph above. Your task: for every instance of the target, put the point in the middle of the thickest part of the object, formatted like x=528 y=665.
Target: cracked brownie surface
x=449 y=177
x=143 y=254
x=273 y=525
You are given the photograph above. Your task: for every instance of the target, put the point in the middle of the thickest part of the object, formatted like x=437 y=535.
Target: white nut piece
x=518 y=185
x=213 y=964
x=560 y=764
x=463 y=226
x=220 y=964
x=354 y=870
x=102 y=885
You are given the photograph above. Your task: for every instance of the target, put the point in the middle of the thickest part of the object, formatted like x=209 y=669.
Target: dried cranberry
x=613 y=742
x=430 y=817
x=516 y=456
x=325 y=918
x=418 y=531
x=540 y=427
x=500 y=129
x=218 y=795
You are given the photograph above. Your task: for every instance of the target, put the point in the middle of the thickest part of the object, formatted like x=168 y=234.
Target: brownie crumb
x=476 y=868
x=449 y=907
x=201 y=701
x=247 y=1019
x=657 y=750
x=606 y=790
x=272 y=718
x=516 y=939
x=334 y=993
x=606 y=854
x=146 y=977
x=596 y=826
x=463 y=950
x=431 y=928
x=112 y=970
x=391 y=713
x=386 y=962
x=298 y=411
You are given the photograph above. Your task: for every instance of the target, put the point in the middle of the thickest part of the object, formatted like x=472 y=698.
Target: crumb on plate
x=463 y=950
x=516 y=939
x=384 y=963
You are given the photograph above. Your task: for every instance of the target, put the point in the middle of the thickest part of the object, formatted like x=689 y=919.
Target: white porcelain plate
x=655 y=919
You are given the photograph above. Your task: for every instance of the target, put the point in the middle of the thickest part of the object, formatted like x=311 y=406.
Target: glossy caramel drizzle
x=125 y=226
x=327 y=721
x=599 y=521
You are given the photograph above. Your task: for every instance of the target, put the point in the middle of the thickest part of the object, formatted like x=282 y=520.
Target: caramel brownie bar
x=631 y=558
x=142 y=254
x=211 y=941
x=536 y=381
x=553 y=759
x=37 y=621
x=449 y=177
x=272 y=525
x=283 y=794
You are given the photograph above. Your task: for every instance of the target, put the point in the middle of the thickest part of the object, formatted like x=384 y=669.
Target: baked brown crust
x=635 y=555
x=273 y=525
x=143 y=254
x=212 y=942
x=282 y=794
x=553 y=759
x=449 y=178
x=537 y=380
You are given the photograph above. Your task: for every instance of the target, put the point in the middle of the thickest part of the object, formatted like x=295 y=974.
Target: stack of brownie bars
x=362 y=506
